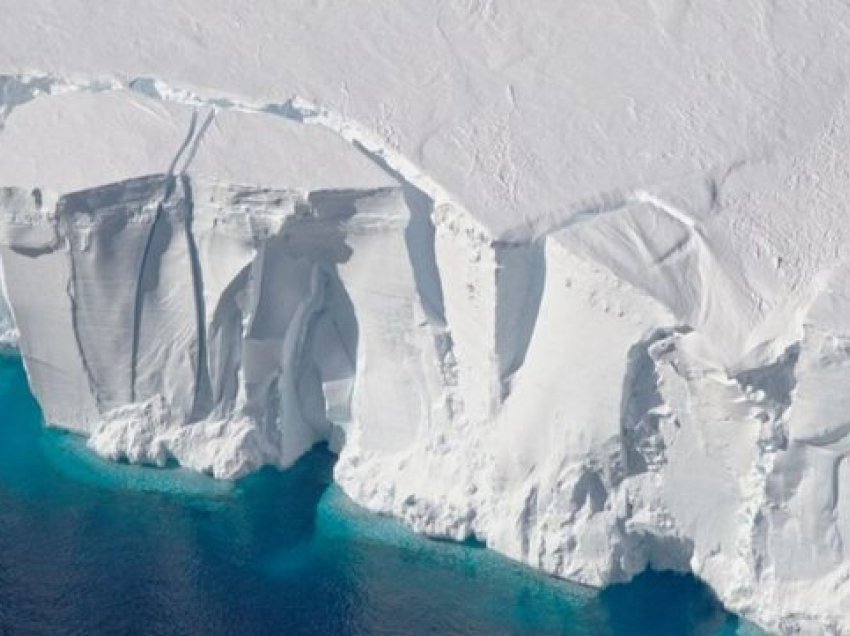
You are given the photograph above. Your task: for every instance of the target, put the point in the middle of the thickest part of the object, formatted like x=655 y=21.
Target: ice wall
x=219 y=326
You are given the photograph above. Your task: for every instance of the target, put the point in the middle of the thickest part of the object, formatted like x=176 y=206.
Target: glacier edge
x=321 y=323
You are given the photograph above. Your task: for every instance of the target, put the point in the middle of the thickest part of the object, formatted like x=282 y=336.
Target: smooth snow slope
x=569 y=277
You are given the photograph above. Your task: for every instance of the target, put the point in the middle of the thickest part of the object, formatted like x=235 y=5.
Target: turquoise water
x=91 y=547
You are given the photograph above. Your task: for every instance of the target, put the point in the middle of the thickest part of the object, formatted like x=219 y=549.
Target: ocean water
x=90 y=547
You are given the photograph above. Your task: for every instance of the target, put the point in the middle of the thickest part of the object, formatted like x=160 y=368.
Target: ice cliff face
x=633 y=352
x=219 y=326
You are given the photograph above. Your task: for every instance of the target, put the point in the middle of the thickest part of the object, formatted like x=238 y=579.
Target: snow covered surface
x=568 y=276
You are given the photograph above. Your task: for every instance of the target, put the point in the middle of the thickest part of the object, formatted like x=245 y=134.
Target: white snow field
x=571 y=277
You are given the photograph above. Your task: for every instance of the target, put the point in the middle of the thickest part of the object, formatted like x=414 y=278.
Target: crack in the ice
x=192 y=150
x=190 y=135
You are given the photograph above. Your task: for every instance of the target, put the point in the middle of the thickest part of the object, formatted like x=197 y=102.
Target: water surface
x=91 y=547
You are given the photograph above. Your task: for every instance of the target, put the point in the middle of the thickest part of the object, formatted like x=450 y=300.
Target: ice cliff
x=571 y=280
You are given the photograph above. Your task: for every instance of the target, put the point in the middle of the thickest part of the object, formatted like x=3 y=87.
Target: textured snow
x=568 y=277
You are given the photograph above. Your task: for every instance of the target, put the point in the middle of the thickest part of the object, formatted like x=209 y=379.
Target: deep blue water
x=89 y=547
